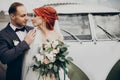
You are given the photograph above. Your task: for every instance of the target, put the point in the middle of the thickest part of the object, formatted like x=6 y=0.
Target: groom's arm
x=8 y=53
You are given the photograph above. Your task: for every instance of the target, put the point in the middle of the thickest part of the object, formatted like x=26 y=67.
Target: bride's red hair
x=49 y=14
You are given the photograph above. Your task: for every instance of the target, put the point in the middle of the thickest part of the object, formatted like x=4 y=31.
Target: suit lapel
x=12 y=33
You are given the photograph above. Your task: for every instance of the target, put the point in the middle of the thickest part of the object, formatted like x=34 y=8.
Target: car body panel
x=97 y=54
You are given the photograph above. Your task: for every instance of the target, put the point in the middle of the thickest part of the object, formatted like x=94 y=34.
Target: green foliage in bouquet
x=51 y=57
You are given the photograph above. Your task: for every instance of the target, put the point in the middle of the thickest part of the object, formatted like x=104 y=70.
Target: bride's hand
x=30 y=36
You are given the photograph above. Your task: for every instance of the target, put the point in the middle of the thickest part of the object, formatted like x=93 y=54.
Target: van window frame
x=113 y=37
x=74 y=36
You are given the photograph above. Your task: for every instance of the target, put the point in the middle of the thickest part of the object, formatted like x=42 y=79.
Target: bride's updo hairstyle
x=49 y=14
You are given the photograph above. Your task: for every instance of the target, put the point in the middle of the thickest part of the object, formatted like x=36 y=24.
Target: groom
x=15 y=40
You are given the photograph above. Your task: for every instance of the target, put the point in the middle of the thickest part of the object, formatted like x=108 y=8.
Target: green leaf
x=63 y=49
x=42 y=69
x=49 y=49
x=61 y=59
x=65 y=53
x=48 y=40
x=65 y=45
x=55 y=68
x=70 y=58
x=41 y=72
x=50 y=66
x=45 y=70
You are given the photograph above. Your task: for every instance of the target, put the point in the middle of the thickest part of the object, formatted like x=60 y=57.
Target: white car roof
x=71 y=6
x=78 y=8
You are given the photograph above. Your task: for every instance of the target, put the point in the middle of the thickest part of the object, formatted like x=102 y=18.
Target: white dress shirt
x=20 y=34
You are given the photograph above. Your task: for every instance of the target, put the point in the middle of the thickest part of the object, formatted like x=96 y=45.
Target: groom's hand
x=30 y=36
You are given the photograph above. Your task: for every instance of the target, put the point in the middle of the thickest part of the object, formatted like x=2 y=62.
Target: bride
x=44 y=21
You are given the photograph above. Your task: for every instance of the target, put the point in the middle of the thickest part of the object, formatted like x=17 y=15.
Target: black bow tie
x=20 y=29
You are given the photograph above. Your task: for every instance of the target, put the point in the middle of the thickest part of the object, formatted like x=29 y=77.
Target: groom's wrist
x=25 y=45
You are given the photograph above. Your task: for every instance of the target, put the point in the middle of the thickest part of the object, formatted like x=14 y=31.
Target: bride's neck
x=47 y=34
x=46 y=31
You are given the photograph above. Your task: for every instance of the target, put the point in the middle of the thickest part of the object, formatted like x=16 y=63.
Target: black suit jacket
x=10 y=54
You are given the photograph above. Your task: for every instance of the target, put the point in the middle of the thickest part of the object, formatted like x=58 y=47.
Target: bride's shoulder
x=60 y=36
x=38 y=36
x=38 y=32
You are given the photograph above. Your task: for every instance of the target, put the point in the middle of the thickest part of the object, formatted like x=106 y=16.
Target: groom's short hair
x=13 y=7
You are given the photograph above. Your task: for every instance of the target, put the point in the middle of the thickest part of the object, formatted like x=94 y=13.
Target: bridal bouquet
x=51 y=57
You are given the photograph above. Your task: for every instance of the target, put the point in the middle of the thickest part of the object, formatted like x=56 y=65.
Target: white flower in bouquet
x=39 y=57
x=55 y=51
x=41 y=50
x=54 y=44
x=52 y=57
x=48 y=44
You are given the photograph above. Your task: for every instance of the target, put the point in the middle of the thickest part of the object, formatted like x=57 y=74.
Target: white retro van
x=93 y=33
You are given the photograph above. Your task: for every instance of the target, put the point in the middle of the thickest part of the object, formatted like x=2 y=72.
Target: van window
x=107 y=26
x=75 y=24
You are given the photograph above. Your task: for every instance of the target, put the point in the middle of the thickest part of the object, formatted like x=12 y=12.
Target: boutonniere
x=16 y=42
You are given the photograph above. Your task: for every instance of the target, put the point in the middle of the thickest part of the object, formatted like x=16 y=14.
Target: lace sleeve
x=28 y=58
x=61 y=37
x=57 y=29
x=34 y=47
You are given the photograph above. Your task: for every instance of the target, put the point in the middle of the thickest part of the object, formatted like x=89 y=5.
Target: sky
x=30 y=4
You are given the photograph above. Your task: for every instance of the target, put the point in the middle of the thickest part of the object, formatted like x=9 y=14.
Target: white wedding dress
x=27 y=72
